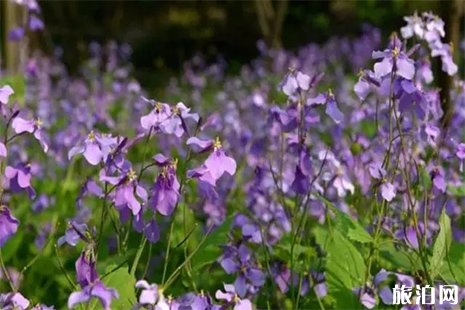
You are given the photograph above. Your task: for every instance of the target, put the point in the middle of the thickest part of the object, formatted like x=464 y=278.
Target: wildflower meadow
x=317 y=179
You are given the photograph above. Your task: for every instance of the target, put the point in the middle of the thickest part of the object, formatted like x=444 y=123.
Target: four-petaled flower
x=8 y=225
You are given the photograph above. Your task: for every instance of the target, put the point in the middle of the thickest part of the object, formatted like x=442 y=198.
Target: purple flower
x=151 y=295
x=247 y=272
x=365 y=84
x=8 y=225
x=447 y=61
x=460 y=153
x=384 y=291
x=35 y=23
x=42 y=203
x=124 y=194
x=437 y=176
x=393 y=60
x=217 y=162
x=409 y=235
x=21 y=125
x=3 y=151
x=414 y=26
x=20 y=179
x=5 y=93
x=366 y=297
x=88 y=279
x=15 y=276
x=434 y=28
x=86 y=272
x=460 y=150
x=176 y=123
x=388 y=191
x=91 y=149
x=74 y=233
x=152 y=232
x=250 y=231
x=232 y=298
x=293 y=81
x=165 y=192
x=96 y=290
x=16 y=34
x=160 y=114
x=89 y=187
x=332 y=110
x=432 y=133
x=13 y=301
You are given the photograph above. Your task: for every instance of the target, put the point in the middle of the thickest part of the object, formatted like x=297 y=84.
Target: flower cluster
x=283 y=187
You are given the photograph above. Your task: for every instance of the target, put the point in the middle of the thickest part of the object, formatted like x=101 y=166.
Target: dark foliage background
x=164 y=34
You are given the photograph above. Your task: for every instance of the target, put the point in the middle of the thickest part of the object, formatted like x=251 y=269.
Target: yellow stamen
x=38 y=122
x=217 y=143
x=91 y=136
x=158 y=106
x=395 y=52
x=176 y=111
x=132 y=175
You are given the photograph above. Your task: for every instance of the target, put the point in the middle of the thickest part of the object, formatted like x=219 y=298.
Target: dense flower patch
x=295 y=185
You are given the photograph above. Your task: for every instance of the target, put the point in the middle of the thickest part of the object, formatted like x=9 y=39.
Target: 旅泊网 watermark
x=426 y=295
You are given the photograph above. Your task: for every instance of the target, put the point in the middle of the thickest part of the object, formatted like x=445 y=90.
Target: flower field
x=315 y=179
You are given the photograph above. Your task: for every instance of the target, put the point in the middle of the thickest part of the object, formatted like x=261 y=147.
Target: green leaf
x=347 y=225
x=392 y=258
x=18 y=84
x=441 y=245
x=453 y=269
x=11 y=247
x=298 y=257
x=457 y=190
x=345 y=268
x=209 y=251
x=369 y=128
x=284 y=251
x=124 y=283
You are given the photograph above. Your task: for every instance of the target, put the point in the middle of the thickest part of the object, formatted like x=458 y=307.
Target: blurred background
x=164 y=34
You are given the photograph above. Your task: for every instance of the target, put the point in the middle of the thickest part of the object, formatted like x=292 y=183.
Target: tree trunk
x=451 y=12
x=14 y=52
x=271 y=20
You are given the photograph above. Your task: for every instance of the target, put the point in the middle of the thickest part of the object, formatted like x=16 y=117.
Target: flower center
x=330 y=93
x=176 y=111
x=91 y=136
x=132 y=175
x=217 y=143
x=158 y=107
x=395 y=52
x=38 y=122
x=236 y=298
